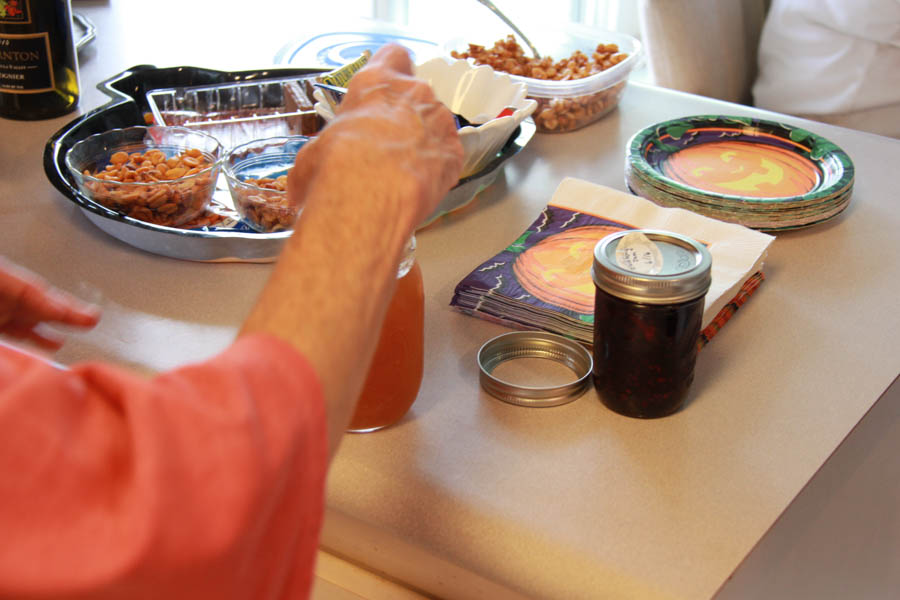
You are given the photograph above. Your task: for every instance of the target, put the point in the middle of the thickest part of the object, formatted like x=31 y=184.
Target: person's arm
x=368 y=180
x=204 y=482
x=207 y=481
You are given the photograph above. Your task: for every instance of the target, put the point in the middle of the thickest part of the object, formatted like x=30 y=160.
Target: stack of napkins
x=543 y=279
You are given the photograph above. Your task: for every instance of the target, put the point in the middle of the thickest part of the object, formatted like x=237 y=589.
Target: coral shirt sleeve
x=203 y=482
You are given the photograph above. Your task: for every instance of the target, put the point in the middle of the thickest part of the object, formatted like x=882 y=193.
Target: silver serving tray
x=232 y=242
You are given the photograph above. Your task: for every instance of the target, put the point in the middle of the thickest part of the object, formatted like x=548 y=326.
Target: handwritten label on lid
x=638 y=254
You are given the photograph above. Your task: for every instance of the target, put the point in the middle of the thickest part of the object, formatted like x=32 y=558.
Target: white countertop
x=576 y=501
x=472 y=498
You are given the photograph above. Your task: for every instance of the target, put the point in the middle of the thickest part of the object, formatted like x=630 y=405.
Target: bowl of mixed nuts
x=256 y=173
x=160 y=175
x=578 y=79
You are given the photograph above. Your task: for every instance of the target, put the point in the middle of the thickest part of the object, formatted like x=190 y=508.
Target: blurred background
x=837 y=62
x=440 y=17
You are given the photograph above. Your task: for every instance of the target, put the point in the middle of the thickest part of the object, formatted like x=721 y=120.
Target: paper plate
x=759 y=173
x=778 y=219
x=335 y=49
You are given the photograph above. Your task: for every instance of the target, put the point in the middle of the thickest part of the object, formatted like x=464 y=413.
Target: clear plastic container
x=237 y=113
x=572 y=104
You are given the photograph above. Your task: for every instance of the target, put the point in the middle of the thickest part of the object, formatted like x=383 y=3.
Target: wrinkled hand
x=27 y=302
x=391 y=132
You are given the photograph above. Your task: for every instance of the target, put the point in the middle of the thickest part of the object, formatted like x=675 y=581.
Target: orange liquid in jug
x=396 y=372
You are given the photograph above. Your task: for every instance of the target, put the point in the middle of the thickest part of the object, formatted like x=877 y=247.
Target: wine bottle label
x=25 y=63
x=15 y=11
x=26 y=66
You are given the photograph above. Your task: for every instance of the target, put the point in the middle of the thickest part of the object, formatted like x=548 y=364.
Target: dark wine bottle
x=38 y=61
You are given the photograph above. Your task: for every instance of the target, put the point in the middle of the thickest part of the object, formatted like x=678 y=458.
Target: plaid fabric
x=729 y=309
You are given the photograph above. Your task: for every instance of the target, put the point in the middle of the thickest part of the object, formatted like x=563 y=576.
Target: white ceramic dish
x=478 y=94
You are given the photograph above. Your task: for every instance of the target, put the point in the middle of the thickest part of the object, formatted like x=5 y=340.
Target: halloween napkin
x=542 y=280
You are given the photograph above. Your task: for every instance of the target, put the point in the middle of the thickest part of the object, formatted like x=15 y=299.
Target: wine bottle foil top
x=534 y=344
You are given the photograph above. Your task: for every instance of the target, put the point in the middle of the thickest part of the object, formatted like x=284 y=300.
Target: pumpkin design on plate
x=557 y=270
x=756 y=170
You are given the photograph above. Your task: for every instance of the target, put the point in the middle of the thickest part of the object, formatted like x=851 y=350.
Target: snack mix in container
x=257 y=174
x=571 y=92
x=160 y=175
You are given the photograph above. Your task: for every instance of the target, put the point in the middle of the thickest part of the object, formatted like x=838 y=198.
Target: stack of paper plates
x=757 y=173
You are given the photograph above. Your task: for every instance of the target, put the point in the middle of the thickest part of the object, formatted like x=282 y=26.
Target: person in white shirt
x=836 y=61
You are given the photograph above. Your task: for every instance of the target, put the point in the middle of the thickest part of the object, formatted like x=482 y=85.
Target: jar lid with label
x=652 y=266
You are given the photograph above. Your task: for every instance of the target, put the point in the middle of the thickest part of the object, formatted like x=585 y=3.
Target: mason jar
x=395 y=374
x=648 y=310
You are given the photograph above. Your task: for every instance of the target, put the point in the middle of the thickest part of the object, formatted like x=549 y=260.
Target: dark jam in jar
x=644 y=354
x=648 y=309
